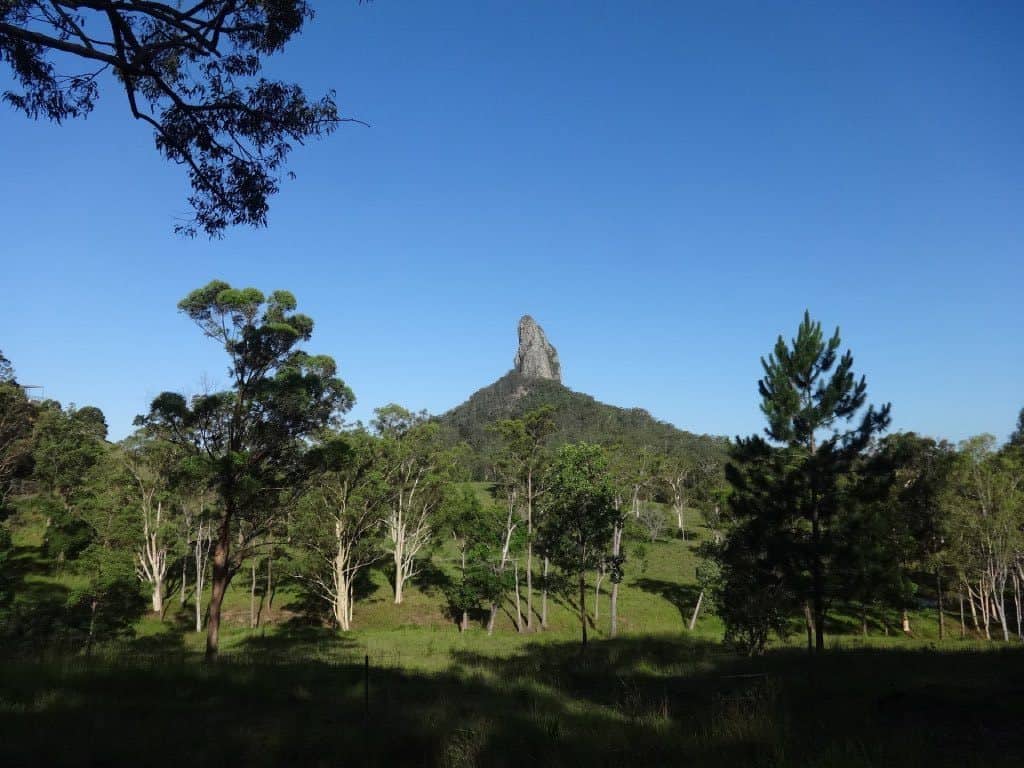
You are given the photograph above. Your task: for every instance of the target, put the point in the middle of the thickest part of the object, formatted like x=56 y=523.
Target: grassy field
x=292 y=691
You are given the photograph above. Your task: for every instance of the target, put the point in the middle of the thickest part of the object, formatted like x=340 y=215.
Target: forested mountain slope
x=578 y=416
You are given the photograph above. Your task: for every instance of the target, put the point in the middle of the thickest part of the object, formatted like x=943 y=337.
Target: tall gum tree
x=250 y=436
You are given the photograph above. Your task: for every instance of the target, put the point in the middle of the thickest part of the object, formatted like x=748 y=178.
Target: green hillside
x=577 y=417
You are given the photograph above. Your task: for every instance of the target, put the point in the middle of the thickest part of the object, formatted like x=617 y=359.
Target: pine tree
x=790 y=494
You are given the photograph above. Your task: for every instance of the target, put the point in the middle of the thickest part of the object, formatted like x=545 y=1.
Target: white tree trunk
x=151 y=560
x=614 y=608
x=201 y=556
x=544 y=597
x=519 y=611
x=696 y=610
x=158 y=597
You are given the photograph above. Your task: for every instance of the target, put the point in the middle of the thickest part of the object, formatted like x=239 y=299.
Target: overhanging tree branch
x=192 y=74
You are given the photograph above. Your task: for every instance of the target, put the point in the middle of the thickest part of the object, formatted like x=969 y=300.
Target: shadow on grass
x=633 y=701
x=682 y=596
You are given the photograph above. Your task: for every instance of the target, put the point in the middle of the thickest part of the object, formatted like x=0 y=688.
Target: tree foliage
x=789 y=496
x=193 y=72
x=251 y=436
x=579 y=514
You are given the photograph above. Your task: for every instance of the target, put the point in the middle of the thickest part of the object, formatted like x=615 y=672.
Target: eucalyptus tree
x=150 y=466
x=687 y=478
x=192 y=72
x=986 y=500
x=250 y=437
x=336 y=527
x=520 y=464
x=788 y=496
x=416 y=470
x=579 y=515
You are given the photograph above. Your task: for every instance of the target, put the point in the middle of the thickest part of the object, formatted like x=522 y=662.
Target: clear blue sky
x=664 y=187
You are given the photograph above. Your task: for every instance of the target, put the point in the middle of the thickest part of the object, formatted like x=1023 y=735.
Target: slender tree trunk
x=963 y=625
x=696 y=611
x=92 y=626
x=529 y=551
x=201 y=556
x=905 y=622
x=613 y=610
x=544 y=596
x=399 y=574
x=184 y=575
x=219 y=586
x=491 y=617
x=252 y=595
x=519 y=612
x=583 y=609
x=983 y=599
x=270 y=577
x=942 y=615
x=1002 y=614
x=464 y=623
x=974 y=611
x=529 y=585
x=863 y=620
x=616 y=551
x=1017 y=604
x=819 y=583
x=809 y=622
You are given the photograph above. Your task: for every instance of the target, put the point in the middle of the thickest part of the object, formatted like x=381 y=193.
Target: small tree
x=416 y=470
x=580 y=514
x=520 y=464
x=474 y=528
x=686 y=479
x=150 y=465
x=337 y=524
x=106 y=602
x=652 y=520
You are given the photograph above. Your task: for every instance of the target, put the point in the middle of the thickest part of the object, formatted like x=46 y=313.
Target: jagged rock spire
x=536 y=357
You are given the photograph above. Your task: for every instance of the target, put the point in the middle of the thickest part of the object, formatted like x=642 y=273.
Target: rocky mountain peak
x=536 y=357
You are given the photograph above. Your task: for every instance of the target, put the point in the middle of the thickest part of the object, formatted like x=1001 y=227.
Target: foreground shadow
x=633 y=701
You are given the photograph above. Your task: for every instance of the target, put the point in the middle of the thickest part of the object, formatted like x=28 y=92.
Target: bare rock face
x=536 y=357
